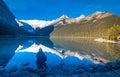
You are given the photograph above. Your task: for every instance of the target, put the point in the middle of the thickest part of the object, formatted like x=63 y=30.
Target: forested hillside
x=91 y=28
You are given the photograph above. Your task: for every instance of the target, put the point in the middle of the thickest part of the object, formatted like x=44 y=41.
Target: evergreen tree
x=114 y=32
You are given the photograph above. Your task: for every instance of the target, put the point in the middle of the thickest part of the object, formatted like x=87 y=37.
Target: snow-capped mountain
x=42 y=23
x=98 y=15
x=64 y=19
x=38 y=23
x=38 y=27
x=81 y=17
x=64 y=16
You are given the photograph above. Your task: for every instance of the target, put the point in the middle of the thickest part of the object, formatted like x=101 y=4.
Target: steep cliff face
x=8 y=25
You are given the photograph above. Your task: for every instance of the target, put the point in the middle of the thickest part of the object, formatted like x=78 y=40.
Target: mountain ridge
x=8 y=25
x=69 y=20
x=98 y=22
x=95 y=25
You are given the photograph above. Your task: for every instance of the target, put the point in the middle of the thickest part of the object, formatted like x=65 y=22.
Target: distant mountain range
x=94 y=25
x=37 y=27
x=43 y=23
x=68 y=20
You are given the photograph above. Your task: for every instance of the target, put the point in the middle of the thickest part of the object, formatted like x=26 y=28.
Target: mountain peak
x=80 y=17
x=44 y=23
x=64 y=16
x=98 y=12
x=99 y=15
x=108 y=13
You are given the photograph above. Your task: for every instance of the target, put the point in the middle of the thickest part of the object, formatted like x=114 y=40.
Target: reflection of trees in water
x=87 y=46
x=113 y=50
x=7 y=49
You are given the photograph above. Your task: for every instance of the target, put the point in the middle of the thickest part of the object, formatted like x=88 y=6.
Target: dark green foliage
x=114 y=32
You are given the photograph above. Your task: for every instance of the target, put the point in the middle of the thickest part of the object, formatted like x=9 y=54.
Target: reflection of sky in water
x=26 y=53
x=21 y=51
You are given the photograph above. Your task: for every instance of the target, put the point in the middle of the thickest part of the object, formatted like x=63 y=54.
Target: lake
x=89 y=48
x=44 y=52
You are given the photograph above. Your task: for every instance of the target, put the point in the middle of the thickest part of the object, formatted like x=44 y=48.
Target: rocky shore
x=60 y=70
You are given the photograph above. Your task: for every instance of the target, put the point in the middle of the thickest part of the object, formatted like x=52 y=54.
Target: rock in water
x=114 y=65
x=12 y=69
x=2 y=69
x=80 y=71
x=25 y=64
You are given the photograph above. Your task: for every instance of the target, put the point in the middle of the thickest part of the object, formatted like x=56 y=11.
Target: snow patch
x=81 y=17
x=38 y=23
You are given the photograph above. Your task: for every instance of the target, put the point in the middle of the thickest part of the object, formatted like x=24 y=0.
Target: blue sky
x=52 y=9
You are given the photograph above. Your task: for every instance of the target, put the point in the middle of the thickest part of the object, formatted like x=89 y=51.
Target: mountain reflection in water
x=89 y=48
x=23 y=51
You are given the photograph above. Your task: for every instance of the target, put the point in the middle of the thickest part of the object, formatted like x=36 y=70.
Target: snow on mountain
x=81 y=17
x=42 y=23
x=97 y=12
x=98 y=15
x=38 y=23
x=63 y=16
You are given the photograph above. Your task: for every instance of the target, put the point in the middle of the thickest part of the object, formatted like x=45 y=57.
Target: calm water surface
x=44 y=52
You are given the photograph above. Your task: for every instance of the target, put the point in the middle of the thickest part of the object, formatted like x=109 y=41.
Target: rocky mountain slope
x=95 y=25
x=8 y=25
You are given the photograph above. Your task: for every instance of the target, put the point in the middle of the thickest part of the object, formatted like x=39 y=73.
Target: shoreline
x=106 y=41
x=60 y=70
